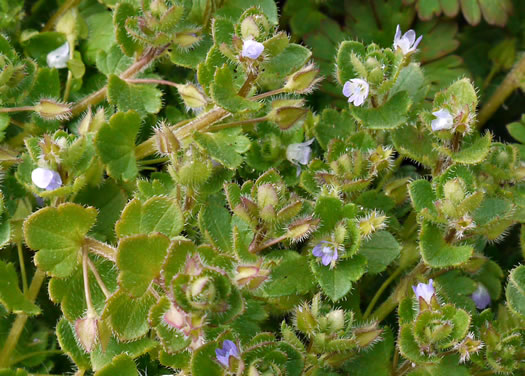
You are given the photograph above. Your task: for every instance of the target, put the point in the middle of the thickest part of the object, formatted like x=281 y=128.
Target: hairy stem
x=150 y=81
x=101 y=249
x=20 y=321
x=98 y=278
x=85 y=273
x=135 y=68
x=22 y=266
x=510 y=83
x=235 y=124
x=17 y=109
x=148 y=147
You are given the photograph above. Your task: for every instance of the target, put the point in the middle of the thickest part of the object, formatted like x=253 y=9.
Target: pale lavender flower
x=228 y=349
x=356 y=90
x=299 y=153
x=58 y=58
x=425 y=291
x=326 y=251
x=406 y=42
x=481 y=297
x=46 y=179
x=444 y=120
x=252 y=49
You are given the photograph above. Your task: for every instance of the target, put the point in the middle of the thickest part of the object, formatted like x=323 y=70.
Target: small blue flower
x=425 y=291
x=406 y=42
x=444 y=120
x=252 y=49
x=58 y=58
x=481 y=297
x=327 y=251
x=356 y=90
x=46 y=179
x=228 y=349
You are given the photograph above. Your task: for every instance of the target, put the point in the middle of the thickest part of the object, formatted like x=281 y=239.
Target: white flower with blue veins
x=252 y=49
x=406 y=42
x=58 y=58
x=444 y=120
x=356 y=90
x=46 y=179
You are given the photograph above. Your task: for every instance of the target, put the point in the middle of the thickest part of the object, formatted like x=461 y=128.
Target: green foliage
x=225 y=187
x=58 y=235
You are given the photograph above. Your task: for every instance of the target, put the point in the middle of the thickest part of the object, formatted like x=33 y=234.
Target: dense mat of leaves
x=245 y=187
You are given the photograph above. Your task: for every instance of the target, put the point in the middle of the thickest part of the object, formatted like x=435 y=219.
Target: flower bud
x=367 y=336
x=194 y=172
x=305 y=320
x=186 y=40
x=166 y=140
x=251 y=276
x=372 y=222
x=454 y=191
x=301 y=228
x=86 y=331
x=52 y=110
x=302 y=81
x=201 y=292
x=267 y=195
x=336 y=320
x=249 y=29
x=192 y=96
x=175 y=317
x=286 y=117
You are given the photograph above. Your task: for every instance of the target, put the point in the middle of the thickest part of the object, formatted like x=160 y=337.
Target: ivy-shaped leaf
x=128 y=317
x=380 y=250
x=139 y=260
x=336 y=282
x=115 y=144
x=158 y=214
x=225 y=95
x=390 y=115
x=439 y=254
x=58 y=233
x=144 y=99
x=224 y=146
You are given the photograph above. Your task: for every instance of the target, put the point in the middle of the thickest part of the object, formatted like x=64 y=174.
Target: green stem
x=235 y=124
x=267 y=94
x=150 y=81
x=99 y=95
x=101 y=249
x=511 y=82
x=67 y=5
x=22 y=266
x=99 y=280
x=20 y=321
x=85 y=264
x=17 y=109
x=383 y=287
x=36 y=353
x=148 y=147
